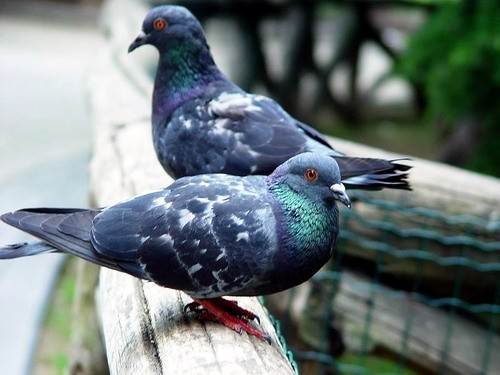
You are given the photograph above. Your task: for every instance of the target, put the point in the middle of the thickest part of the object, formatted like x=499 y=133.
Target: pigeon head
x=186 y=67
x=169 y=26
x=312 y=175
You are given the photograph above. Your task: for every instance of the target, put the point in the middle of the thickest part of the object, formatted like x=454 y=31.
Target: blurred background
x=416 y=77
x=45 y=143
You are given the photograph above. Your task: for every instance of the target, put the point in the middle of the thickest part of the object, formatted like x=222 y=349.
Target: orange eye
x=159 y=24
x=311 y=174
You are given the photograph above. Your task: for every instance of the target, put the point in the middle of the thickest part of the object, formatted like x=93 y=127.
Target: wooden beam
x=147 y=332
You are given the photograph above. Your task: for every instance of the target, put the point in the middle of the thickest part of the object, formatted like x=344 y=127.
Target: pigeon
x=210 y=236
x=202 y=122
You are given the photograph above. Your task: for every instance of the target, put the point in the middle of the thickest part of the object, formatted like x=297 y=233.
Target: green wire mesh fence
x=410 y=290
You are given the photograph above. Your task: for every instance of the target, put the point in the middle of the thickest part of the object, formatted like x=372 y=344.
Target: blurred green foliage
x=455 y=60
x=53 y=351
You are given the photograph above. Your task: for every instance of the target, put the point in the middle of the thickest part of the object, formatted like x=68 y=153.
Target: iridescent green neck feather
x=184 y=68
x=311 y=226
x=185 y=71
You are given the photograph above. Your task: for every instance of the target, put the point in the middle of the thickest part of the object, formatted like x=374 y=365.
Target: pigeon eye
x=311 y=174
x=159 y=24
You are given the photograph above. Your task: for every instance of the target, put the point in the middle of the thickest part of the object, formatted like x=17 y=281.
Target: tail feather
x=373 y=174
x=61 y=230
x=25 y=249
x=51 y=226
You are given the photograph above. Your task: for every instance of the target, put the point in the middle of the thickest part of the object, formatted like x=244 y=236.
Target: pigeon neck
x=310 y=227
x=184 y=72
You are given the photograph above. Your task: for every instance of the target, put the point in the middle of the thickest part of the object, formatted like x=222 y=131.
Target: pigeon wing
x=235 y=133
x=201 y=235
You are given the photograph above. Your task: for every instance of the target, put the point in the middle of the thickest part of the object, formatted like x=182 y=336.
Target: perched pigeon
x=207 y=235
x=204 y=123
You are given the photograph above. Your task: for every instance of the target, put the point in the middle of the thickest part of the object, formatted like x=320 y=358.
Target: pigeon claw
x=233 y=307
x=227 y=313
x=193 y=306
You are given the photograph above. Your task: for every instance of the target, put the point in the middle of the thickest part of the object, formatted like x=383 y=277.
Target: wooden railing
x=146 y=330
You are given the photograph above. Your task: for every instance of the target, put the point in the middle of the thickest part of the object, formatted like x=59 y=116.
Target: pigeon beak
x=340 y=194
x=141 y=39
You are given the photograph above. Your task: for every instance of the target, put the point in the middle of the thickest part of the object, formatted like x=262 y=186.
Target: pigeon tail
x=25 y=249
x=373 y=174
x=62 y=230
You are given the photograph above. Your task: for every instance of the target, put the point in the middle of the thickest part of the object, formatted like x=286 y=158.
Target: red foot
x=227 y=313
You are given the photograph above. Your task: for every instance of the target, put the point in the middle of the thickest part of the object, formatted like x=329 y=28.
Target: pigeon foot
x=229 y=314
